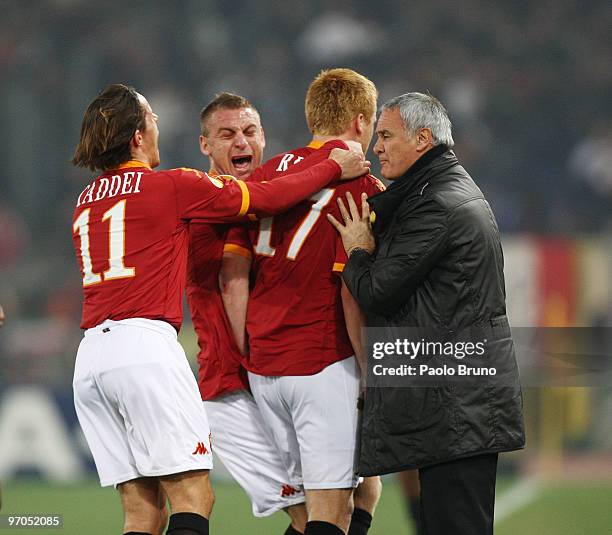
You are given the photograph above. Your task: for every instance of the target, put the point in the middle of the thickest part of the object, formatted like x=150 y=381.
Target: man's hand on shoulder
x=352 y=161
x=356 y=233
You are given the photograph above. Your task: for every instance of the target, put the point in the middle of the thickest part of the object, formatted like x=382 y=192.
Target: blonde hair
x=335 y=97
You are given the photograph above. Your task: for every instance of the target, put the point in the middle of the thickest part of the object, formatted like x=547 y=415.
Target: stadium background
x=527 y=85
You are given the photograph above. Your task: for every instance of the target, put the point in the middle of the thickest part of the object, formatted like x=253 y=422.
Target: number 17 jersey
x=295 y=319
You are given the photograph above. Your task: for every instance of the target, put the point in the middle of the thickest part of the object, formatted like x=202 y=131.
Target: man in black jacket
x=429 y=257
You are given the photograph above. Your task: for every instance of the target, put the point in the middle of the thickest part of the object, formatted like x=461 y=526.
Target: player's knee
x=368 y=493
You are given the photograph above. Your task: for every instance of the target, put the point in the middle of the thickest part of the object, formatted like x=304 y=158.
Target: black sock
x=318 y=527
x=414 y=507
x=187 y=524
x=292 y=531
x=360 y=522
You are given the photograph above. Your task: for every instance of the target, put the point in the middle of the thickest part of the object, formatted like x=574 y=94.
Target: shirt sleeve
x=277 y=196
x=340 y=258
x=237 y=241
x=211 y=199
x=223 y=198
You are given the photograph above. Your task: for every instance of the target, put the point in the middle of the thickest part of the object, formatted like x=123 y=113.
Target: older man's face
x=395 y=148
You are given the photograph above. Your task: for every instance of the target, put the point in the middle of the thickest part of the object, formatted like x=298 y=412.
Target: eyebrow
x=232 y=129
x=226 y=129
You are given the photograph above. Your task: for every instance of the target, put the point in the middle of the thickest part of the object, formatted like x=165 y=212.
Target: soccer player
x=233 y=138
x=135 y=395
x=301 y=363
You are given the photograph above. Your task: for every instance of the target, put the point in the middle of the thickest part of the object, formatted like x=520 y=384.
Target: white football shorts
x=244 y=445
x=313 y=419
x=138 y=402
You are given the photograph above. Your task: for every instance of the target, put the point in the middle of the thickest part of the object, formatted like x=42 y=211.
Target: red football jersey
x=220 y=370
x=295 y=319
x=130 y=232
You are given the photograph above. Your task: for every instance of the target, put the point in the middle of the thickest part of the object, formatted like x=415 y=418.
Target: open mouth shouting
x=242 y=163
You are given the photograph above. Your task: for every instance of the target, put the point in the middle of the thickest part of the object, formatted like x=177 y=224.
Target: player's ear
x=359 y=123
x=204 y=147
x=137 y=139
x=263 y=138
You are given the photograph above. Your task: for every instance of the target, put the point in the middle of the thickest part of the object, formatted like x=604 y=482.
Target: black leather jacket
x=438 y=264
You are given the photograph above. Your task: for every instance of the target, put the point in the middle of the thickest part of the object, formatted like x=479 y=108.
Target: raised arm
x=217 y=199
x=280 y=194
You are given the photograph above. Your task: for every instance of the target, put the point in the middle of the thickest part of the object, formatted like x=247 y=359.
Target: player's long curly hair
x=335 y=97
x=108 y=126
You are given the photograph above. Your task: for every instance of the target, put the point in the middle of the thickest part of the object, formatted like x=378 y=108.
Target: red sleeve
x=277 y=196
x=340 y=259
x=225 y=199
x=237 y=241
x=208 y=198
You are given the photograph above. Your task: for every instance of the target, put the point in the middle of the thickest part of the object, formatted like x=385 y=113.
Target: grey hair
x=423 y=111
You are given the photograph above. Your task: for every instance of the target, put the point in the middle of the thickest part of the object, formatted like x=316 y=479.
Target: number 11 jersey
x=130 y=232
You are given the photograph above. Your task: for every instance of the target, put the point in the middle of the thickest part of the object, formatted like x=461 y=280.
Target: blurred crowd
x=527 y=85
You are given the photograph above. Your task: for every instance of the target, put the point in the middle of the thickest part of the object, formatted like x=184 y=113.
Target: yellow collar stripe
x=134 y=163
x=315 y=144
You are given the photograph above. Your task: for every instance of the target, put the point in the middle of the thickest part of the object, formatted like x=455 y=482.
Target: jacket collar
x=412 y=181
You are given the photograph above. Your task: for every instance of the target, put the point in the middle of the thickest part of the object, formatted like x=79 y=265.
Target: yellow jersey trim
x=236 y=249
x=133 y=163
x=316 y=144
x=246 y=198
x=338 y=267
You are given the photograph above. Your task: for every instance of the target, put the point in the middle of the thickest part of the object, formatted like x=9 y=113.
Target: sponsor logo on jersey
x=215 y=181
x=200 y=449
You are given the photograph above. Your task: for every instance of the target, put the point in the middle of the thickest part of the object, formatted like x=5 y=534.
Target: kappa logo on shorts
x=288 y=490
x=200 y=449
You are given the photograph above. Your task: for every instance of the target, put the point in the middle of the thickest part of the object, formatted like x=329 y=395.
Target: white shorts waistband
x=155 y=325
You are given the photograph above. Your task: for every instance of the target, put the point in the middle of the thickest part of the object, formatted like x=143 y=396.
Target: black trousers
x=458 y=497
